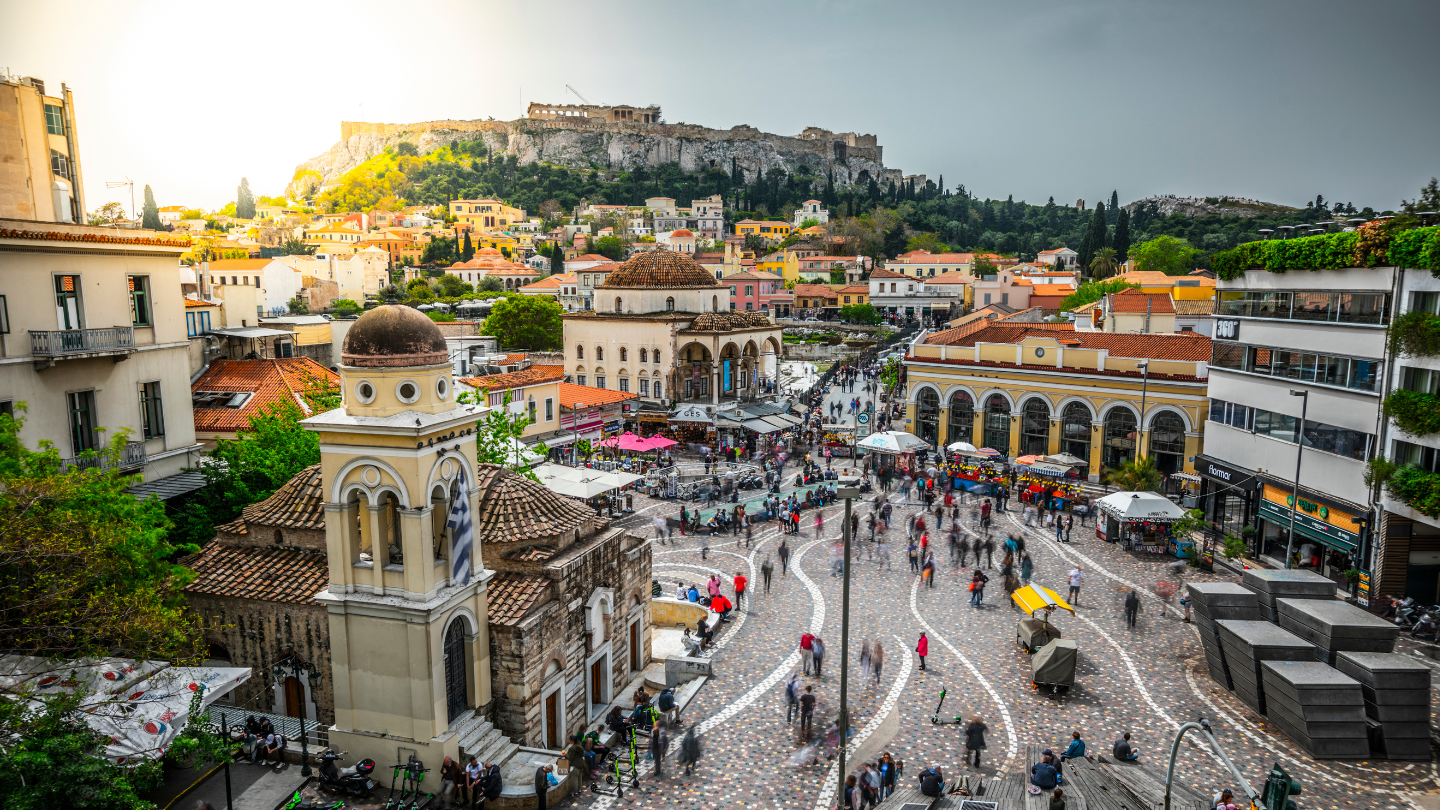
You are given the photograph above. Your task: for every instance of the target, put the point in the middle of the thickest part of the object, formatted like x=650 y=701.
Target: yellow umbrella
x=1033 y=597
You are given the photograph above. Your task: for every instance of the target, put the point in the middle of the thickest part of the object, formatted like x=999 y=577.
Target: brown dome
x=394 y=335
x=660 y=268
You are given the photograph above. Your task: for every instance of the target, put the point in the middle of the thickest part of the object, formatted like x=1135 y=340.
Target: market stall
x=893 y=449
x=838 y=439
x=1141 y=522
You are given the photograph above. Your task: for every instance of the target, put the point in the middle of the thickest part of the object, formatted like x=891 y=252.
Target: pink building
x=752 y=290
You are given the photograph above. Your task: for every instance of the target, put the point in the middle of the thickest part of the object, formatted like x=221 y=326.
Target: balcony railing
x=131 y=455
x=64 y=342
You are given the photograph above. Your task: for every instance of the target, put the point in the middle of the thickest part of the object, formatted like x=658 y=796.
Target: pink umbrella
x=659 y=442
x=613 y=441
x=629 y=441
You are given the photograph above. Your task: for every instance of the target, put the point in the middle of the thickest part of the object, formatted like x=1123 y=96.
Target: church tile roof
x=511 y=596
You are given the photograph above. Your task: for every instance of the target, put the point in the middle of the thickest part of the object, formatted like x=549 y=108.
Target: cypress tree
x=1121 y=242
x=468 y=251
x=1114 y=207
x=1094 y=238
x=244 y=200
x=940 y=187
x=557 y=259
x=151 y=217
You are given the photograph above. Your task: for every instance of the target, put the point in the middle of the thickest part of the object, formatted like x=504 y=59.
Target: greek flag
x=464 y=530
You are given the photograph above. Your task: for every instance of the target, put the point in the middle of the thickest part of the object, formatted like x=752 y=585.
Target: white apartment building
x=811 y=209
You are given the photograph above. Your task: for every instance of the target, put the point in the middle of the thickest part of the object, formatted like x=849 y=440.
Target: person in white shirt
x=1076 y=578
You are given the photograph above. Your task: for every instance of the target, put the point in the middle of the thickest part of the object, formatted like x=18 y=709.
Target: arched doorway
x=1119 y=437
x=927 y=415
x=997 y=424
x=1075 y=430
x=1034 y=427
x=962 y=418
x=456 y=670
x=1167 y=442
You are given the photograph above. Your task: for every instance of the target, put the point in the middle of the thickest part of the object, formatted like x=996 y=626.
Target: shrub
x=1416 y=413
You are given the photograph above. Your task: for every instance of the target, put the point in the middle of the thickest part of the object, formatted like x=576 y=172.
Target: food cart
x=1052 y=660
x=1141 y=522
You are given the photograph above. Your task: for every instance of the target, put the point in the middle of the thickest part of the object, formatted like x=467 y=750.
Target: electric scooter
x=935 y=718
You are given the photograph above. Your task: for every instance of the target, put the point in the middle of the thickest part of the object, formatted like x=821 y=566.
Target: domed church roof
x=660 y=268
x=394 y=335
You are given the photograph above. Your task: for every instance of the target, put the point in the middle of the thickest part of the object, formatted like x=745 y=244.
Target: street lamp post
x=575 y=429
x=1144 y=366
x=849 y=489
x=1299 y=453
x=293 y=665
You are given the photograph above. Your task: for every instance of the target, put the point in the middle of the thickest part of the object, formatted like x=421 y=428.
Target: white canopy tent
x=892 y=442
x=1140 y=506
x=581 y=482
x=140 y=705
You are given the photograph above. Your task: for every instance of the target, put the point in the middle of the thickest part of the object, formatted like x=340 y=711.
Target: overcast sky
x=1275 y=100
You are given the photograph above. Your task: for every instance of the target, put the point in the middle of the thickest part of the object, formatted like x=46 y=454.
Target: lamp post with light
x=849 y=489
x=293 y=665
x=1299 y=453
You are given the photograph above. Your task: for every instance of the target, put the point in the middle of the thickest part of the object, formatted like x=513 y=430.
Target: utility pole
x=849 y=489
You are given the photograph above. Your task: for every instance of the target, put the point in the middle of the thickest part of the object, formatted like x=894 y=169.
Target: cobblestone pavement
x=1146 y=680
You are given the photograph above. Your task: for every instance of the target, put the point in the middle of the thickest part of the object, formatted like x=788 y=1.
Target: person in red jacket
x=722 y=606
x=740 y=583
x=923 y=649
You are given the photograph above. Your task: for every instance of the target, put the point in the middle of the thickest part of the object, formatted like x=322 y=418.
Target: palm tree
x=1138 y=475
x=1104 y=264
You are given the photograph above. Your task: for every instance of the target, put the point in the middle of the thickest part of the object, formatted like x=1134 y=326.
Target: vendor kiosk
x=1141 y=522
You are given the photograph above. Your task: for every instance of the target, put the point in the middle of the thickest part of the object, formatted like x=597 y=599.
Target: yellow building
x=40 y=176
x=484 y=215
x=772 y=230
x=1181 y=288
x=335 y=237
x=535 y=390
x=1044 y=389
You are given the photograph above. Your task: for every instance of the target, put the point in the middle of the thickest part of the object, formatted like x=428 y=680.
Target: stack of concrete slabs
x=1271 y=584
x=1319 y=708
x=1396 y=689
x=1334 y=626
x=1248 y=644
x=1210 y=601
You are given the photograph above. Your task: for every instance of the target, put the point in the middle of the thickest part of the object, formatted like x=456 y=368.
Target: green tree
x=982 y=267
x=294 y=247
x=468 y=252
x=1165 y=254
x=1121 y=240
x=1429 y=199
x=1104 y=264
x=490 y=284
x=837 y=275
x=452 y=286
x=1094 y=238
x=557 y=260
x=1137 y=475
x=406 y=148
x=1112 y=215
x=499 y=431
x=107 y=213
x=1091 y=291
x=860 y=313
x=611 y=247
x=895 y=239
x=440 y=250
x=345 y=308
x=244 y=200
x=151 y=216
x=298 y=306
x=526 y=322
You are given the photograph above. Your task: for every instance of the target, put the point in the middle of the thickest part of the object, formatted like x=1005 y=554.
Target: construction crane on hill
x=582 y=98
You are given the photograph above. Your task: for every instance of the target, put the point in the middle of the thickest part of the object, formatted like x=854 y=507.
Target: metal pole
x=225 y=735
x=1299 y=454
x=1204 y=728
x=850 y=493
x=1144 y=389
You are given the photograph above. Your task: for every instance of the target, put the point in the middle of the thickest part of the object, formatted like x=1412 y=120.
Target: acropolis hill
x=618 y=138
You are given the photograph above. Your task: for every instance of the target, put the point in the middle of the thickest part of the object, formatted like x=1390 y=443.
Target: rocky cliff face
x=614 y=147
x=1208 y=206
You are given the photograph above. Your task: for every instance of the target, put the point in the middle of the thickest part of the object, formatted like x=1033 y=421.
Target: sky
x=1278 y=100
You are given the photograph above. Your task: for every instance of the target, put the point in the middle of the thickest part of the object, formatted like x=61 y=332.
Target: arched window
x=1119 y=437
x=599 y=353
x=657 y=357
x=457 y=693
x=579 y=352
x=1075 y=431
x=643 y=356
x=962 y=418
x=669 y=304
x=997 y=424
x=1167 y=442
x=623 y=354
x=714 y=303
x=927 y=415
x=618 y=308
x=1035 y=427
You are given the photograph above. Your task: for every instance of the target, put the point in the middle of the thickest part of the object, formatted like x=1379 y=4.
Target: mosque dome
x=394 y=335
x=660 y=269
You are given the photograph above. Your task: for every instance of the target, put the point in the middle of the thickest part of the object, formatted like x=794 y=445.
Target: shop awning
x=1049 y=469
x=1140 y=506
x=581 y=482
x=692 y=413
x=1186 y=476
x=763 y=426
x=1033 y=597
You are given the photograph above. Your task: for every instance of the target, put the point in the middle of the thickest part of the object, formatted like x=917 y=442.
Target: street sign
x=863 y=418
x=862 y=431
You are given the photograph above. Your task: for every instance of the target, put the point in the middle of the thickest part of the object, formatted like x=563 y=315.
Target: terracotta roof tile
x=511 y=596
x=1046 y=301
x=269 y=574
x=726 y=321
x=270 y=381
x=515 y=509
x=298 y=504
x=1186 y=306
x=592 y=397
x=1136 y=301
x=663 y=269
x=881 y=272
x=1053 y=289
x=107 y=237
x=1187 y=346
x=535 y=375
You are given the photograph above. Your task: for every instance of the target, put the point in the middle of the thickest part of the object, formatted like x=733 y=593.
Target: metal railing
x=79 y=341
x=131 y=455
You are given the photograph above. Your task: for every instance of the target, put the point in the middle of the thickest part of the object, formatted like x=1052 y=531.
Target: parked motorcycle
x=354 y=780
x=1427 y=625
x=1403 y=612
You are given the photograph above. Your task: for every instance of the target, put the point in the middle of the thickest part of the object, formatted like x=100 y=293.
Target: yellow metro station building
x=1044 y=389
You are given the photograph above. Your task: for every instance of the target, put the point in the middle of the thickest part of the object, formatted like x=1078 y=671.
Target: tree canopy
x=1090 y=291
x=150 y=218
x=526 y=322
x=1166 y=254
x=244 y=200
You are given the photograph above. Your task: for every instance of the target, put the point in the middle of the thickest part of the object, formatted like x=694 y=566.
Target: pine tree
x=467 y=252
x=151 y=218
x=1121 y=240
x=557 y=260
x=244 y=200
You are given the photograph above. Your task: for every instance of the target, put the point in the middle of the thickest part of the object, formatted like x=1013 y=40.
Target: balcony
x=114 y=341
x=131 y=456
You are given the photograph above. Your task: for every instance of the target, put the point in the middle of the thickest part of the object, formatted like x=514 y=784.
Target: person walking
x=807 y=711
x=877 y=660
x=767 y=569
x=807 y=650
x=784 y=552
x=977 y=587
x=1076 y=579
x=818 y=649
x=792 y=698
x=542 y=785
x=975 y=739
x=690 y=750
x=989 y=553
x=865 y=656
x=922 y=648
x=740 y=583
x=1069 y=524
x=659 y=744
x=1059 y=530
x=1027 y=568
x=1132 y=607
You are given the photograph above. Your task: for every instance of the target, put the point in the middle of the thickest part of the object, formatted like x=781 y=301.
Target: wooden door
x=293 y=696
x=599 y=695
x=635 y=647
x=552 y=720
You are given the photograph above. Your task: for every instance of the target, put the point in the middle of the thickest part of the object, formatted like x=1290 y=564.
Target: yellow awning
x=1034 y=597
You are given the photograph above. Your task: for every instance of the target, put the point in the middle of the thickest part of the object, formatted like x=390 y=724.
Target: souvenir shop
x=1141 y=522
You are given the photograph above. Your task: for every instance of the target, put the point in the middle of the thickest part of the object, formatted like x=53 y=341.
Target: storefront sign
x=1330 y=526
x=1223 y=473
x=1362 y=594
x=725 y=367
x=1227 y=328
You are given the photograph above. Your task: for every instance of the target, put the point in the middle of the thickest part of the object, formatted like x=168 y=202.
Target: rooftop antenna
x=122 y=184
